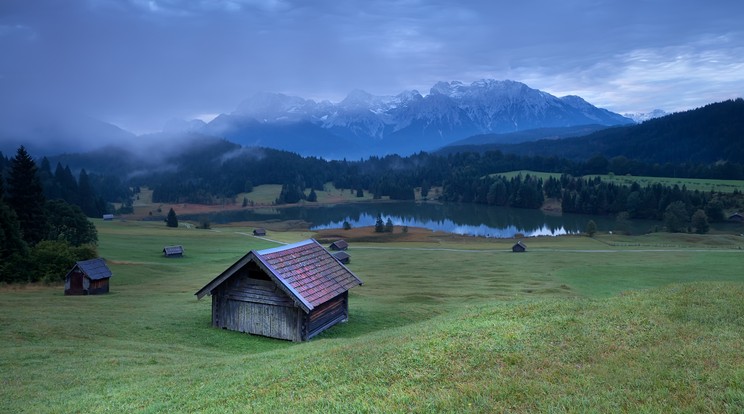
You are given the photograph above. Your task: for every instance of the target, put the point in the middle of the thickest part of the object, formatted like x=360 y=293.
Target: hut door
x=76 y=282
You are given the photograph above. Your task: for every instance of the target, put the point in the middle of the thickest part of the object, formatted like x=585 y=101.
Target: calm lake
x=464 y=219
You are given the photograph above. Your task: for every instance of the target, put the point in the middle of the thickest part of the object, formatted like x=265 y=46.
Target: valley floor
x=442 y=324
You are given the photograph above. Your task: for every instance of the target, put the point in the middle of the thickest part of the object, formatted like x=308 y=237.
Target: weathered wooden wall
x=328 y=314
x=98 y=286
x=257 y=307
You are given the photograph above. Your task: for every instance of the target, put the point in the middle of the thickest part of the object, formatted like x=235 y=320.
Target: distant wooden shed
x=88 y=277
x=342 y=257
x=339 y=245
x=293 y=292
x=519 y=247
x=173 y=251
x=736 y=217
x=108 y=217
x=259 y=232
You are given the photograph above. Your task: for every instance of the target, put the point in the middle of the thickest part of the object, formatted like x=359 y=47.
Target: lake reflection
x=464 y=219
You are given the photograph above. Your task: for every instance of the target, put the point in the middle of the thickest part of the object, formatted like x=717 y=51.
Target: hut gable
x=173 y=251
x=339 y=245
x=290 y=292
x=519 y=247
x=88 y=277
x=736 y=217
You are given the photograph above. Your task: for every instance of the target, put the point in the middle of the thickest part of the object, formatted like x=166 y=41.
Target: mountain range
x=360 y=125
x=364 y=124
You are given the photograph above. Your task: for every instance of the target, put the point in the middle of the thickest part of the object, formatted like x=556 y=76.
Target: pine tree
x=67 y=185
x=379 y=225
x=88 y=201
x=388 y=226
x=26 y=197
x=172 y=220
x=12 y=245
x=312 y=197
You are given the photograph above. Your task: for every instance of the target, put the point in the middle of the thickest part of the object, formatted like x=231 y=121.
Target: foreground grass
x=456 y=326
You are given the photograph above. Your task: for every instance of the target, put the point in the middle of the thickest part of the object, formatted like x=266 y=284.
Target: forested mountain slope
x=705 y=135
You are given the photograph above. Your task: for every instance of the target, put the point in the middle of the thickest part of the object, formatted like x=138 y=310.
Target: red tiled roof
x=310 y=270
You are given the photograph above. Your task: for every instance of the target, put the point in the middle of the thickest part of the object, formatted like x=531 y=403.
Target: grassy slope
x=475 y=328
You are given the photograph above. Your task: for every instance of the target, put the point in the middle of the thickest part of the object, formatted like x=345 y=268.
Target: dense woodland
x=40 y=238
x=692 y=139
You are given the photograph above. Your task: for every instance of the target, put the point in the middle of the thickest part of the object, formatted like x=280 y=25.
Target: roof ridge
x=285 y=247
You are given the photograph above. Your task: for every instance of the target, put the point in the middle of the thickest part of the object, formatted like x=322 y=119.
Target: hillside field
x=442 y=324
x=700 y=184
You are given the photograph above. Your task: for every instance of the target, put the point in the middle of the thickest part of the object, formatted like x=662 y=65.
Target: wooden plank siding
x=257 y=307
x=330 y=313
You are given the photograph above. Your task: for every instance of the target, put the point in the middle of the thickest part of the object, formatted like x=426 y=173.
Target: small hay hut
x=339 y=245
x=343 y=257
x=292 y=292
x=519 y=247
x=88 y=277
x=173 y=251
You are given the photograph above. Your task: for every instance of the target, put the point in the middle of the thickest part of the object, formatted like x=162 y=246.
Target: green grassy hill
x=573 y=325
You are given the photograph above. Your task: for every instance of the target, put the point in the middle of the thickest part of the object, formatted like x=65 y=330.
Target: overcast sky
x=138 y=63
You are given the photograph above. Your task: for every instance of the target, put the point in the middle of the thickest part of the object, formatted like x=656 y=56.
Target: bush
x=591 y=228
x=50 y=260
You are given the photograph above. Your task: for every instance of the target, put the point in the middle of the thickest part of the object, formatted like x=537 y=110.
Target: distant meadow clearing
x=575 y=324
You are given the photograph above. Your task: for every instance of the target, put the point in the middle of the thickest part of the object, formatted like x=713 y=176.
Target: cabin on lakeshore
x=173 y=251
x=343 y=257
x=736 y=217
x=519 y=247
x=339 y=245
x=292 y=292
x=108 y=217
x=88 y=277
x=259 y=231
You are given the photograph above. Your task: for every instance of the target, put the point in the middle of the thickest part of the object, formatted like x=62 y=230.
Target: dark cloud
x=139 y=63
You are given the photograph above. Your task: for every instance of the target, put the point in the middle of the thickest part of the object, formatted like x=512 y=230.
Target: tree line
x=40 y=238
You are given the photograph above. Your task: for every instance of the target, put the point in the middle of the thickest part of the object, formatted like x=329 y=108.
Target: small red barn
x=88 y=277
x=293 y=292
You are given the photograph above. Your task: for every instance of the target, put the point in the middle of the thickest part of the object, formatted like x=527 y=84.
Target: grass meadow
x=612 y=324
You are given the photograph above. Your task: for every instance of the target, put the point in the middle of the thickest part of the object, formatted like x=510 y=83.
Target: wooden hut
x=339 y=245
x=173 y=251
x=342 y=257
x=259 y=232
x=88 y=277
x=293 y=292
x=519 y=247
x=108 y=217
x=736 y=217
